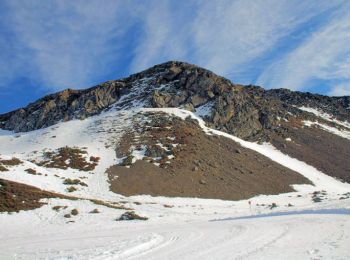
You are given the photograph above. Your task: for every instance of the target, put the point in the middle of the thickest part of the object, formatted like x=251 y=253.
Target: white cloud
x=72 y=43
x=162 y=38
x=340 y=90
x=225 y=36
x=325 y=55
x=68 y=42
x=230 y=34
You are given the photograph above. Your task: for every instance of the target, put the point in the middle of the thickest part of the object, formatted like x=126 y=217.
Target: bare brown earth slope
x=191 y=163
x=15 y=196
x=327 y=152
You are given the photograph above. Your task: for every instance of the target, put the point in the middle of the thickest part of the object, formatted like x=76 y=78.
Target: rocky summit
x=249 y=112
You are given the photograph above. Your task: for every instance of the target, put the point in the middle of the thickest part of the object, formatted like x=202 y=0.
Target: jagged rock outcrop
x=249 y=112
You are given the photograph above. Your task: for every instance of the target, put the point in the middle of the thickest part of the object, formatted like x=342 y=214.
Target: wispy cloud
x=165 y=34
x=340 y=90
x=66 y=42
x=230 y=34
x=323 y=58
x=60 y=44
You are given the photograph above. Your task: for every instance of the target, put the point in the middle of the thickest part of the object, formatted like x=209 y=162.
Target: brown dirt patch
x=15 y=196
x=203 y=166
x=4 y=164
x=327 y=152
x=69 y=157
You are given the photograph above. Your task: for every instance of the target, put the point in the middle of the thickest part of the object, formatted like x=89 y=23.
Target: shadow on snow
x=289 y=213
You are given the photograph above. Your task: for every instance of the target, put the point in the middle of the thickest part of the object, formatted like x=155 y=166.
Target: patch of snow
x=204 y=110
x=333 y=130
x=99 y=134
x=162 y=146
x=288 y=139
x=138 y=154
x=325 y=116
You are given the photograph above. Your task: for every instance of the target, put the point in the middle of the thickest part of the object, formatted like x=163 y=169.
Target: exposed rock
x=203 y=182
x=249 y=112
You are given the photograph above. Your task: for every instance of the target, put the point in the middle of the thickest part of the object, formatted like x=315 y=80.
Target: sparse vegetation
x=31 y=171
x=12 y=162
x=110 y=205
x=317 y=196
x=74 y=182
x=3 y=168
x=127 y=161
x=168 y=206
x=273 y=205
x=15 y=196
x=71 y=189
x=69 y=157
x=67 y=216
x=94 y=159
x=57 y=208
x=316 y=199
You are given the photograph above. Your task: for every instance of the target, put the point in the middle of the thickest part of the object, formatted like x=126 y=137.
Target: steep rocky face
x=62 y=106
x=339 y=107
x=246 y=111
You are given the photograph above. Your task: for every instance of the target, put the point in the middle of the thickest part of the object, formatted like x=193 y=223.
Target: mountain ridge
x=199 y=85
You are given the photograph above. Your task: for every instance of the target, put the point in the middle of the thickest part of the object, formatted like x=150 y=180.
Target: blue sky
x=47 y=46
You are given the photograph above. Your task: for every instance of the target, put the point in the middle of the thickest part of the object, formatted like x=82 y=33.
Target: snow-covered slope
x=275 y=226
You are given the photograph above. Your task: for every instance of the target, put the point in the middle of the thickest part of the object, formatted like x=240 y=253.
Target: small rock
x=74 y=212
x=94 y=211
x=203 y=182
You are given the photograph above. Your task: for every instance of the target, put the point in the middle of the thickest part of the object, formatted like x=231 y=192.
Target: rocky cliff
x=249 y=112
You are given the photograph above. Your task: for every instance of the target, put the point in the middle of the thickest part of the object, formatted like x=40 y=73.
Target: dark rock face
x=337 y=106
x=62 y=106
x=249 y=112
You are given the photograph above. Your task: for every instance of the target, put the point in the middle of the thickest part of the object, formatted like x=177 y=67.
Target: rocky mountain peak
x=249 y=112
x=159 y=86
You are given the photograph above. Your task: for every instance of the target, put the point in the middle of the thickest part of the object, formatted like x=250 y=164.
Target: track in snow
x=293 y=236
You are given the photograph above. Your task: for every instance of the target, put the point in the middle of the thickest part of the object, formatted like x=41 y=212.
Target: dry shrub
x=65 y=157
x=15 y=196
x=71 y=189
x=109 y=205
x=12 y=162
x=94 y=159
x=31 y=171
x=69 y=181
x=57 y=208
x=74 y=212
x=3 y=168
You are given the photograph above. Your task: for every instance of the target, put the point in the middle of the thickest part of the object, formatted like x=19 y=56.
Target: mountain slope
x=294 y=122
x=196 y=164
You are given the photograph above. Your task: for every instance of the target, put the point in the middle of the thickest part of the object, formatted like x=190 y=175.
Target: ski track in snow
x=184 y=231
x=288 y=237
